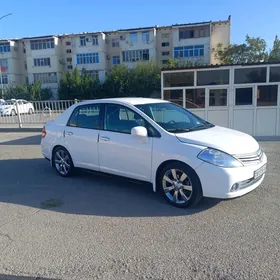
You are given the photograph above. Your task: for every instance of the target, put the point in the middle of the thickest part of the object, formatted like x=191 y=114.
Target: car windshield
x=173 y=118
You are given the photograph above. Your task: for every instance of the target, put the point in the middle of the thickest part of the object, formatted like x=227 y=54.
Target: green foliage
x=74 y=85
x=29 y=92
x=141 y=81
x=253 y=50
x=175 y=63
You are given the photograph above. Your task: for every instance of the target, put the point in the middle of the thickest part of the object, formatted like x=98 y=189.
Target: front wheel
x=180 y=185
x=62 y=162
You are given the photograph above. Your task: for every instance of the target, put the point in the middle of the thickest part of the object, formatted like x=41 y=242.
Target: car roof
x=127 y=100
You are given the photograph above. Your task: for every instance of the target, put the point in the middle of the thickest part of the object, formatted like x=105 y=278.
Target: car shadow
x=30 y=140
x=32 y=182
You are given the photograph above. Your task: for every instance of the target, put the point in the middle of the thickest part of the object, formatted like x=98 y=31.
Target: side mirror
x=139 y=131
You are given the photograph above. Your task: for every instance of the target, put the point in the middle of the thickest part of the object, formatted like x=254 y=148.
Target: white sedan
x=182 y=155
x=14 y=106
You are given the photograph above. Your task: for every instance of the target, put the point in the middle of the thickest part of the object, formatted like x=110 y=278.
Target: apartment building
x=11 y=64
x=45 y=58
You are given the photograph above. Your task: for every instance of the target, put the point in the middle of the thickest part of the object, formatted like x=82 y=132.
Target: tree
x=29 y=92
x=174 y=63
x=253 y=50
x=274 y=55
x=78 y=85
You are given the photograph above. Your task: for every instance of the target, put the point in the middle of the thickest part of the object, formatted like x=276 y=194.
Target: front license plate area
x=259 y=172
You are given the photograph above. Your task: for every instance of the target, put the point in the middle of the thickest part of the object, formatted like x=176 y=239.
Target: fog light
x=234 y=187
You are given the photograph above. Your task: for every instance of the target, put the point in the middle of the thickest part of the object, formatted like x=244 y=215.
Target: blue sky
x=38 y=17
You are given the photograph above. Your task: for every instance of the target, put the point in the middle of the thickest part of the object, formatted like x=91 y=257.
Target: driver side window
x=122 y=119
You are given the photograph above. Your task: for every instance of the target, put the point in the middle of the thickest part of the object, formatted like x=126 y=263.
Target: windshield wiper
x=178 y=130
x=202 y=126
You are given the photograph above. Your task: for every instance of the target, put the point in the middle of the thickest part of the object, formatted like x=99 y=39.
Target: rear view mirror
x=139 y=131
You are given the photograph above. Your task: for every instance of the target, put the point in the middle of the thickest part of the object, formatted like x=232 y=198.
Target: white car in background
x=11 y=107
x=182 y=155
x=2 y=101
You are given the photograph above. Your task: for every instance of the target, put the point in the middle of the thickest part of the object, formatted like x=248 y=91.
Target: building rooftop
x=218 y=66
x=122 y=30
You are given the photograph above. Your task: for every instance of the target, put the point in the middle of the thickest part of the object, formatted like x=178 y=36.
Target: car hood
x=224 y=139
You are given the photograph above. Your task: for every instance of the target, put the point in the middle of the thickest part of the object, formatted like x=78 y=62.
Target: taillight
x=44 y=132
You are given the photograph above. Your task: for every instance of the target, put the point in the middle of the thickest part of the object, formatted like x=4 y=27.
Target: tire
x=182 y=192
x=30 y=111
x=62 y=162
x=13 y=112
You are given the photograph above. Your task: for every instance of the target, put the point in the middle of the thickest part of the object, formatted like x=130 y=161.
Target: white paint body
x=138 y=156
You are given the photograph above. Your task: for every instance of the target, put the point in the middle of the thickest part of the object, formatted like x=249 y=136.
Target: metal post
x=19 y=118
x=75 y=100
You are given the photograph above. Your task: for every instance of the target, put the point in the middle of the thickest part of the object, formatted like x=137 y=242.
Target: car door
x=121 y=153
x=81 y=136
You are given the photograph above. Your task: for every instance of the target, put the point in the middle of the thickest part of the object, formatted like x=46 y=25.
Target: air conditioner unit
x=122 y=37
x=88 y=39
x=108 y=57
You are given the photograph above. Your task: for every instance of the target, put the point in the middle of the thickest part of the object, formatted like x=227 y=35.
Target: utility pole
x=1 y=77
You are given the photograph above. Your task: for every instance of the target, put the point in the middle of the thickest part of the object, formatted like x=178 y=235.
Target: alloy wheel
x=62 y=162
x=177 y=186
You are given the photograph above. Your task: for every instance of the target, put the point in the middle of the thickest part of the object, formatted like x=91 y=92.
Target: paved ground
x=103 y=228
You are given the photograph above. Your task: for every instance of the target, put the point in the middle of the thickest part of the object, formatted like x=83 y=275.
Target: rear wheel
x=62 y=162
x=179 y=184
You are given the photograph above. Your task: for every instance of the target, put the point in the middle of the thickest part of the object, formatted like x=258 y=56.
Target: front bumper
x=217 y=182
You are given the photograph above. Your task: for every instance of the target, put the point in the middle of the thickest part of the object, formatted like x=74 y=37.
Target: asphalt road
x=96 y=227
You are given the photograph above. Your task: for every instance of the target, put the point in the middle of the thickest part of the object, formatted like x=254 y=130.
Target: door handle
x=104 y=138
x=68 y=133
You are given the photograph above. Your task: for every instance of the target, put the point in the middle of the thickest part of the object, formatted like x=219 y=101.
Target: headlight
x=218 y=158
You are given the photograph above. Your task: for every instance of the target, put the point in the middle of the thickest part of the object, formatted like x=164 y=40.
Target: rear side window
x=86 y=116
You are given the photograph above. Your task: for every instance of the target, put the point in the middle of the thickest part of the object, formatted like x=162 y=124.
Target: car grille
x=251 y=159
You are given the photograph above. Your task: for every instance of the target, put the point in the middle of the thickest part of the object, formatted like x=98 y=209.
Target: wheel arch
x=53 y=150
x=163 y=164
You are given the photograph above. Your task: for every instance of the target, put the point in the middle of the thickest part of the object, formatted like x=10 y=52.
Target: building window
x=4 y=79
x=95 y=40
x=116 y=60
x=87 y=58
x=115 y=43
x=68 y=51
x=92 y=73
x=82 y=40
x=274 y=74
x=45 y=78
x=69 y=59
x=165 y=44
x=267 y=95
x=133 y=37
x=165 y=53
x=165 y=61
x=5 y=47
x=69 y=67
x=42 y=44
x=218 y=97
x=195 y=98
x=214 y=77
x=250 y=75
x=164 y=35
x=135 y=55
x=175 y=96
x=179 y=79
x=68 y=43
x=4 y=64
x=243 y=96
x=145 y=36
x=197 y=32
x=42 y=62
x=189 y=51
